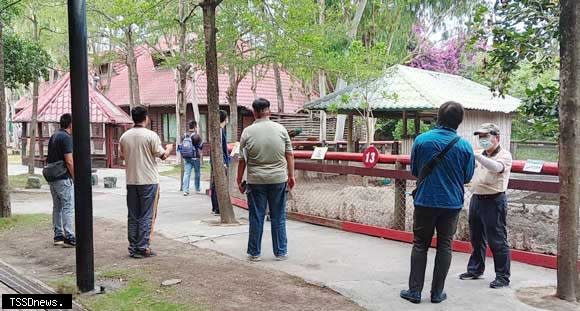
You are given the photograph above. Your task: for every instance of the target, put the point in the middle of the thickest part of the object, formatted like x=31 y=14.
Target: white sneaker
x=185 y=194
x=254 y=258
x=281 y=258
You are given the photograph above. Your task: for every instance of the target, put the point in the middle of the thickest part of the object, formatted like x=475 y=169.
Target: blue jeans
x=190 y=164
x=62 y=192
x=260 y=197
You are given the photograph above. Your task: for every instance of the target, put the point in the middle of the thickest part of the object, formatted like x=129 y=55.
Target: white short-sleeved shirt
x=141 y=147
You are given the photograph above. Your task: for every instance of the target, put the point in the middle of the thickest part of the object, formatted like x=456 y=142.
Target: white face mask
x=485 y=143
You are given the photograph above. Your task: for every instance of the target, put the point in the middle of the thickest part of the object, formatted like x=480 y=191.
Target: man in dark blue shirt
x=438 y=199
x=60 y=148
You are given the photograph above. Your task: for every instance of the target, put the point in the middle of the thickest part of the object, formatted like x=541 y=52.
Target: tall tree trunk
x=279 y=91
x=134 y=96
x=340 y=119
x=232 y=96
x=33 y=121
x=107 y=85
x=322 y=76
x=182 y=70
x=221 y=182
x=5 y=210
x=568 y=280
x=195 y=101
x=33 y=127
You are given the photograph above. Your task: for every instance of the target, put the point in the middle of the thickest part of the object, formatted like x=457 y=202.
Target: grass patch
x=17 y=222
x=19 y=181
x=138 y=294
x=175 y=171
x=14 y=158
x=114 y=274
x=549 y=154
x=134 y=293
x=65 y=285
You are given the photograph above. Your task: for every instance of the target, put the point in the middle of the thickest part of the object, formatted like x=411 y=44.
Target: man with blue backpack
x=191 y=146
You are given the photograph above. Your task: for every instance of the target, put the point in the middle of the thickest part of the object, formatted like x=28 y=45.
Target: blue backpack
x=188 y=149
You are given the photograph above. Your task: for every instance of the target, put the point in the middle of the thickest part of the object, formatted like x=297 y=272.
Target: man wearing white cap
x=488 y=208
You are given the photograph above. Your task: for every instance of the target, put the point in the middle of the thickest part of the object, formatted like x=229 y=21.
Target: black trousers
x=142 y=202
x=425 y=222
x=215 y=207
x=487 y=225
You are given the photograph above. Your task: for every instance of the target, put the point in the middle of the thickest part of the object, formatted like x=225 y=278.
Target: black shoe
x=469 y=276
x=145 y=254
x=411 y=295
x=58 y=241
x=69 y=244
x=438 y=298
x=499 y=283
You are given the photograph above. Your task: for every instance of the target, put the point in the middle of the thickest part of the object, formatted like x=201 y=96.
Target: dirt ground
x=208 y=278
x=544 y=298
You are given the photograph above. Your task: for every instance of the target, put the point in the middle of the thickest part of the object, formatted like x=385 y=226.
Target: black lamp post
x=77 y=28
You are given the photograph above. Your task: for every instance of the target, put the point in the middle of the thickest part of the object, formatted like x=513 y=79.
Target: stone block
x=33 y=182
x=110 y=182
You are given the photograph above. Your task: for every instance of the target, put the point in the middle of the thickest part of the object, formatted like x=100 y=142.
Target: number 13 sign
x=370 y=157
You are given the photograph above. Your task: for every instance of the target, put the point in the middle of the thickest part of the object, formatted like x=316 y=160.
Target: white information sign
x=319 y=153
x=534 y=166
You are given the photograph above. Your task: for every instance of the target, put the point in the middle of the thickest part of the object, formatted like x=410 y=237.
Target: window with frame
x=203 y=127
x=169 y=127
x=98 y=138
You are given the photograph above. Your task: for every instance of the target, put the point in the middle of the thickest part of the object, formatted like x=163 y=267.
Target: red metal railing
x=401 y=175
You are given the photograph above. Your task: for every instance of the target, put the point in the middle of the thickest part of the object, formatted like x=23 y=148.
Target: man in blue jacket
x=438 y=199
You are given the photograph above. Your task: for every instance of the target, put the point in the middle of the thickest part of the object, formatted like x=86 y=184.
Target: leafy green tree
x=525 y=46
x=8 y=9
x=128 y=20
x=21 y=63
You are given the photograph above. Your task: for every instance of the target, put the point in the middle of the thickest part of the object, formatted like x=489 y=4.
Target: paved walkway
x=369 y=270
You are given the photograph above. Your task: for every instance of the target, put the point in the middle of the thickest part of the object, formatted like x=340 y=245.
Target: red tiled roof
x=26 y=100
x=55 y=101
x=158 y=87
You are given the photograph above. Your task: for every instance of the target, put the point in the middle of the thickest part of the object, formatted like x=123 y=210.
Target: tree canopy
x=24 y=61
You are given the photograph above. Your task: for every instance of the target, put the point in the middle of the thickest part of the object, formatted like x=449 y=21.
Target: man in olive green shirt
x=267 y=150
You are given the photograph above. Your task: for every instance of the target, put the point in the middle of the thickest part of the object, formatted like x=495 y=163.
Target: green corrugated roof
x=405 y=88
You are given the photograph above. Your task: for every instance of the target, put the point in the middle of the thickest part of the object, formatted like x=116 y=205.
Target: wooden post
x=350 y=134
x=399 y=216
x=405 y=133
x=395 y=148
x=417 y=125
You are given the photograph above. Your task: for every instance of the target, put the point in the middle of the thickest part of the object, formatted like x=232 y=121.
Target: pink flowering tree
x=449 y=56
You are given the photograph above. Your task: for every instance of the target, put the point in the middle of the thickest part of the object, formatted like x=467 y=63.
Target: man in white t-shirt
x=140 y=147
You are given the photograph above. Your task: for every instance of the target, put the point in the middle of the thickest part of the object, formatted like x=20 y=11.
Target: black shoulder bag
x=428 y=168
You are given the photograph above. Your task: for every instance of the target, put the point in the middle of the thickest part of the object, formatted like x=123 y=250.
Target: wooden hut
x=108 y=122
x=415 y=94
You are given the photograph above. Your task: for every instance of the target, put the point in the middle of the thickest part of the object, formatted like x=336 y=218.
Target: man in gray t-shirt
x=267 y=152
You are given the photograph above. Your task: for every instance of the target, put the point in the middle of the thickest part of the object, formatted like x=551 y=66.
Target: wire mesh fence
x=386 y=202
